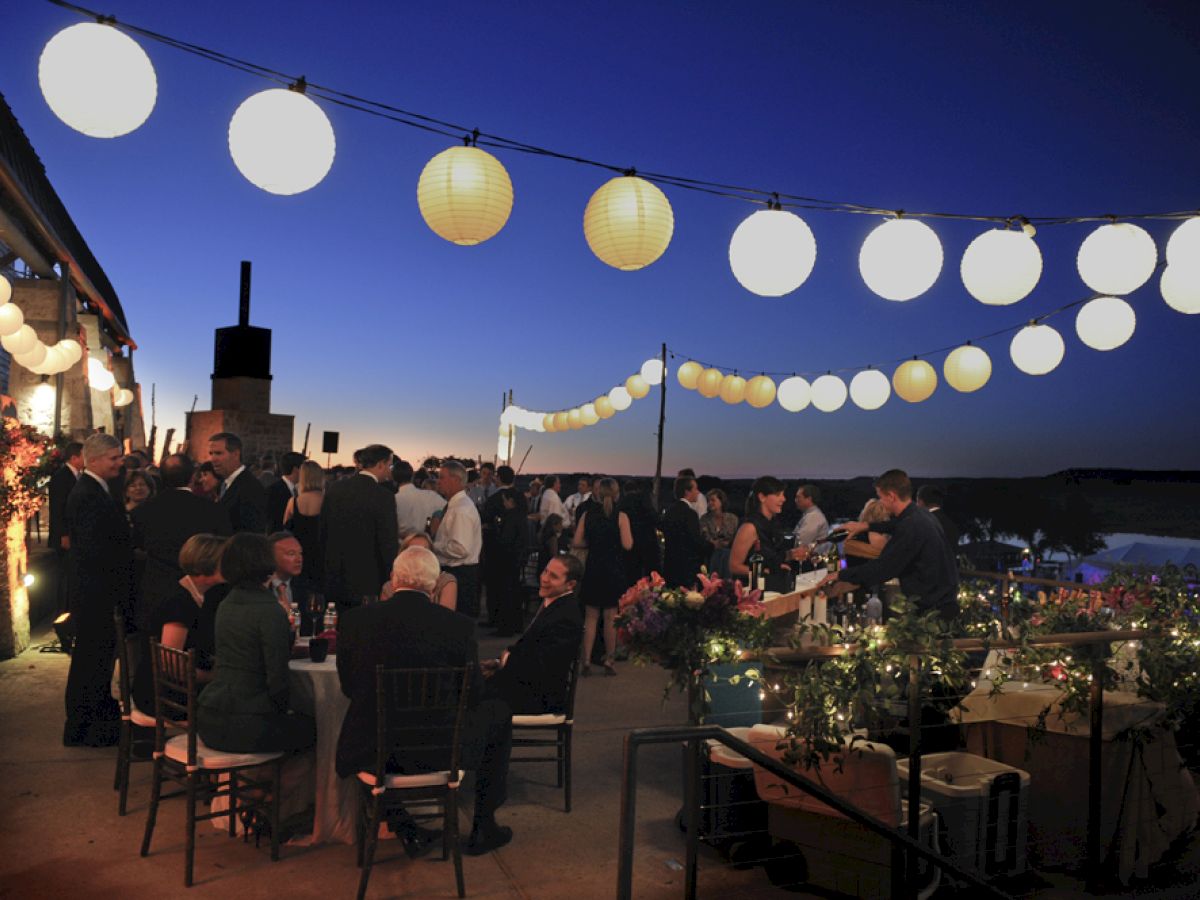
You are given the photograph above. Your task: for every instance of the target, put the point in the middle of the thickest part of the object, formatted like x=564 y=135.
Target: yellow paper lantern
x=794 y=394
x=575 y=419
x=828 y=393
x=11 y=319
x=733 y=389
x=689 y=374
x=1001 y=267
x=620 y=398
x=637 y=387
x=870 y=389
x=760 y=391
x=588 y=414
x=914 y=381
x=652 y=371
x=772 y=252
x=628 y=223
x=465 y=195
x=281 y=141
x=1180 y=286
x=1105 y=323
x=604 y=407
x=97 y=80
x=1037 y=349
x=562 y=421
x=900 y=259
x=1117 y=258
x=709 y=384
x=967 y=368
x=548 y=423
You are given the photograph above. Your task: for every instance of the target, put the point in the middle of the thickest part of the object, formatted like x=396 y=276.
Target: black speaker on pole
x=329 y=442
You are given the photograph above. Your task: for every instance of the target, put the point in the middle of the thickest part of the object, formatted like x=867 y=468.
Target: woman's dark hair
x=548 y=526
x=247 y=560
x=767 y=484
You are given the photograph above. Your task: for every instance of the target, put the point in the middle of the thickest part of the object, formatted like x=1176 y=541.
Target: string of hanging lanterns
x=99 y=81
x=22 y=341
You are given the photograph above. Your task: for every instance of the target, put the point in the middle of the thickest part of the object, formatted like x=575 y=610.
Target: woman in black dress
x=761 y=530
x=646 y=555
x=604 y=531
x=302 y=518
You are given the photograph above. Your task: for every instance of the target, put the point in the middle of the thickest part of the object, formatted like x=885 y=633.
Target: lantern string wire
x=445 y=128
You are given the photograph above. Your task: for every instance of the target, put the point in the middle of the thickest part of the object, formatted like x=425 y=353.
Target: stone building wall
x=261 y=432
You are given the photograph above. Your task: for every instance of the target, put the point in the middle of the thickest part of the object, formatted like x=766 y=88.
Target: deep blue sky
x=385 y=332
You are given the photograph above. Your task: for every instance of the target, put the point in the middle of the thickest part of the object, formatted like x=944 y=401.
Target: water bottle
x=330 y=617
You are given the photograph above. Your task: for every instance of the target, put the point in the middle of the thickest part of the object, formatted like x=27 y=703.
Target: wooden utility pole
x=511 y=432
x=662 y=419
x=307 y=429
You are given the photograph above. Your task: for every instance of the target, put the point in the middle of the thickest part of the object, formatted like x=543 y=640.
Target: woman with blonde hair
x=302 y=516
x=606 y=534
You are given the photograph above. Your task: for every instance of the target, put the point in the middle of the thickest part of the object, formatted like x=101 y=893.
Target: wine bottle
x=755 y=563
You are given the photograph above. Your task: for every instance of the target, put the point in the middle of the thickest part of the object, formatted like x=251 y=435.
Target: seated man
x=531 y=676
x=410 y=631
x=288 y=585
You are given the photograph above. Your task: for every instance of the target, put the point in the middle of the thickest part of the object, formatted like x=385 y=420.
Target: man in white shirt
x=813 y=526
x=572 y=502
x=550 y=504
x=459 y=538
x=699 y=503
x=414 y=505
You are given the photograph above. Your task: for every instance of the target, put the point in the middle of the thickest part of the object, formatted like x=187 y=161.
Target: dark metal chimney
x=244 y=296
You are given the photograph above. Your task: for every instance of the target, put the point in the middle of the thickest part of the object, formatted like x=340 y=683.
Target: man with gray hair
x=101 y=572
x=459 y=538
x=410 y=631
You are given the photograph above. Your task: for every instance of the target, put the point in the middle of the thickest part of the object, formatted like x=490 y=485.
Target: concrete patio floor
x=60 y=834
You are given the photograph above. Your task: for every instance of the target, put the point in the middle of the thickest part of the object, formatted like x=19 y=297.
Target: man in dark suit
x=531 y=676
x=283 y=489
x=410 y=631
x=162 y=525
x=288 y=585
x=685 y=550
x=240 y=493
x=358 y=530
x=101 y=566
x=61 y=482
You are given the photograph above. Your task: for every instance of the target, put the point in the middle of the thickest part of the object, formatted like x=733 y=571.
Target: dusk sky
x=387 y=333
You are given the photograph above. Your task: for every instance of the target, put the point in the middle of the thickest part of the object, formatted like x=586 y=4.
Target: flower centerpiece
x=27 y=458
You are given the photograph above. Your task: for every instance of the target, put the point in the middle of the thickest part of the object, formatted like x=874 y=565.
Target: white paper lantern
x=1001 y=267
x=506 y=430
x=772 y=253
x=588 y=413
x=620 y=399
x=652 y=371
x=125 y=397
x=828 y=393
x=72 y=349
x=20 y=341
x=5 y=290
x=97 y=80
x=11 y=319
x=914 y=381
x=628 y=223
x=1183 y=247
x=281 y=141
x=900 y=259
x=870 y=389
x=1105 y=323
x=967 y=368
x=99 y=377
x=1117 y=258
x=502 y=450
x=1180 y=286
x=688 y=375
x=57 y=360
x=465 y=195
x=33 y=357
x=794 y=394
x=1037 y=349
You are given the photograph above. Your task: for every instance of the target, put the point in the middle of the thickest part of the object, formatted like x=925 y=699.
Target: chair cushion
x=208 y=758
x=542 y=719
x=139 y=718
x=423 y=779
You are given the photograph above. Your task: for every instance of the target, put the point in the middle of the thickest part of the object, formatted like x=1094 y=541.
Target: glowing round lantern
x=506 y=430
x=124 y=397
x=900 y=259
x=914 y=380
x=56 y=360
x=548 y=423
x=688 y=374
x=828 y=393
x=588 y=414
x=5 y=290
x=604 y=407
x=1184 y=244
x=652 y=371
x=760 y=391
x=637 y=387
x=575 y=419
x=794 y=394
x=733 y=389
x=20 y=341
x=11 y=319
x=73 y=350
x=628 y=223
x=1036 y=349
x=1180 y=286
x=620 y=398
x=710 y=381
x=772 y=253
x=1001 y=267
x=967 y=368
x=281 y=141
x=1117 y=258
x=33 y=357
x=465 y=195
x=562 y=421
x=1105 y=323
x=97 y=80
x=870 y=389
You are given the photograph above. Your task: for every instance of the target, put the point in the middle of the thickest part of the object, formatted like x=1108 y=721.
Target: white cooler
x=983 y=805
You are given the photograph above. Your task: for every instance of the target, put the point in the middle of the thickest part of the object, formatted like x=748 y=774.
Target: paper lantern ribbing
x=620 y=398
x=628 y=223
x=561 y=421
x=548 y=423
x=1117 y=258
x=794 y=394
x=97 y=80
x=20 y=341
x=11 y=319
x=652 y=371
x=5 y=290
x=689 y=374
x=1105 y=323
x=1037 y=349
x=900 y=259
x=914 y=380
x=772 y=253
x=1001 y=267
x=870 y=389
x=281 y=141
x=465 y=195
x=967 y=368
x=1184 y=244
x=733 y=389
x=760 y=391
x=604 y=407
x=828 y=393
x=710 y=381
x=588 y=414
x=1180 y=286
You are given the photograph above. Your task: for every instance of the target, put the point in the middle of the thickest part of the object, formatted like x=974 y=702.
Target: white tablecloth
x=315 y=691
